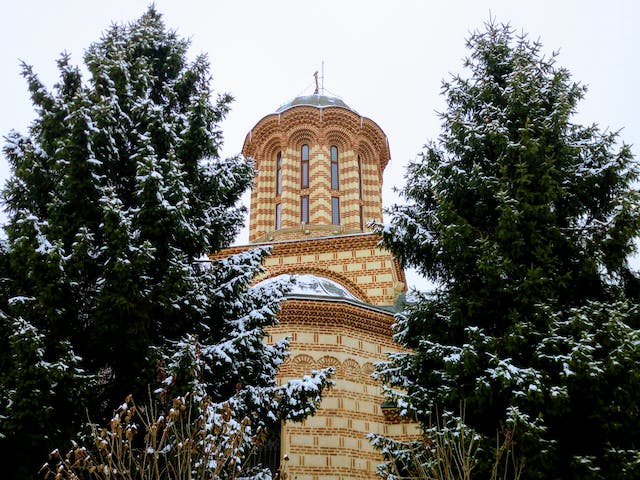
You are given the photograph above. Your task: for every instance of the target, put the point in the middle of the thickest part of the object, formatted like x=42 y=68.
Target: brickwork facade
x=324 y=153
x=349 y=338
x=362 y=154
x=355 y=261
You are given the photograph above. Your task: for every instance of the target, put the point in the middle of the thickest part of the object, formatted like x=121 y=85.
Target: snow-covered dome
x=315 y=100
x=307 y=284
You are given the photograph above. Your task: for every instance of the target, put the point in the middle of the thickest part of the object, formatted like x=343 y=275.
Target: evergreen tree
x=525 y=220
x=116 y=193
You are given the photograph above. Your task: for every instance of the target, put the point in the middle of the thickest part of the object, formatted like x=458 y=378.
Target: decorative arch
x=340 y=139
x=368 y=368
x=299 y=137
x=305 y=362
x=329 y=361
x=354 y=289
x=366 y=152
x=265 y=157
x=378 y=140
x=350 y=123
x=351 y=365
x=270 y=147
x=292 y=118
x=259 y=135
x=345 y=120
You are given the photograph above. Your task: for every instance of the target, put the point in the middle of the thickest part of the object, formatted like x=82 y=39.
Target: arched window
x=279 y=174
x=359 y=178
x=334 y=168
x=304 y=166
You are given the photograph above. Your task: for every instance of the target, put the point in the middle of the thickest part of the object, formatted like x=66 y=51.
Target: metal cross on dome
x=319 y=88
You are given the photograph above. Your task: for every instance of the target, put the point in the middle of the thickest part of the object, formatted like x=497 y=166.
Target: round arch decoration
x=259 y=135
x=368 y=368
x=365 y=150
x=301 y=115
x=271 y=146
x=304 y=361
x=329 y=361
x=301 y=136
x=338 y=138
x=351 y=365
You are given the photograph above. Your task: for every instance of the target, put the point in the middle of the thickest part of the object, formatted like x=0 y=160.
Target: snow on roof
x=307 y=284
x=315 y=100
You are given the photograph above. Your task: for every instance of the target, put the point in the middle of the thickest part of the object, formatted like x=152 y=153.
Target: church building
x=319 y=183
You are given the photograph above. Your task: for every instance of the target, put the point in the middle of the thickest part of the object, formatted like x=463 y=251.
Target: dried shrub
x=194 y=438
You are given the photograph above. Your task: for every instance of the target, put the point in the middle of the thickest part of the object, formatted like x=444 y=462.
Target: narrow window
x=304 y=209
x=361 y=218
x=335 y=210
x=334 y=168
x=279 y=174
x=278 y=216
x=304 y=167
x=359 y=178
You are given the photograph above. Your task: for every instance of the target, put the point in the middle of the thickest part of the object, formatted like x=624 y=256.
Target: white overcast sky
x=386 y=59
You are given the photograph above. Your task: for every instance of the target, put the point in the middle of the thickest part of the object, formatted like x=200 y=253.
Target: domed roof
x=315 y=100
x=307 y=284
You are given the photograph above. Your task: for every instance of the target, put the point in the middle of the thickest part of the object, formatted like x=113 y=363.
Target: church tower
x=320 y=166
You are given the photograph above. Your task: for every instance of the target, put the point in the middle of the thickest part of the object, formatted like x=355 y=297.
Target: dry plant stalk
x=452 y=454
x=196 y=439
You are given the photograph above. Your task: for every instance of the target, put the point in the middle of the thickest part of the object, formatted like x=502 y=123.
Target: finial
x=315 y=75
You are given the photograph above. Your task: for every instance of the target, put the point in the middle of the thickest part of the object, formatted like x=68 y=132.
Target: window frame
x=335 y=210
x=304 y=166
x=335 y=169
x=279 y=174
x=359 y=178
x=278 y=219
x=304 y=209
